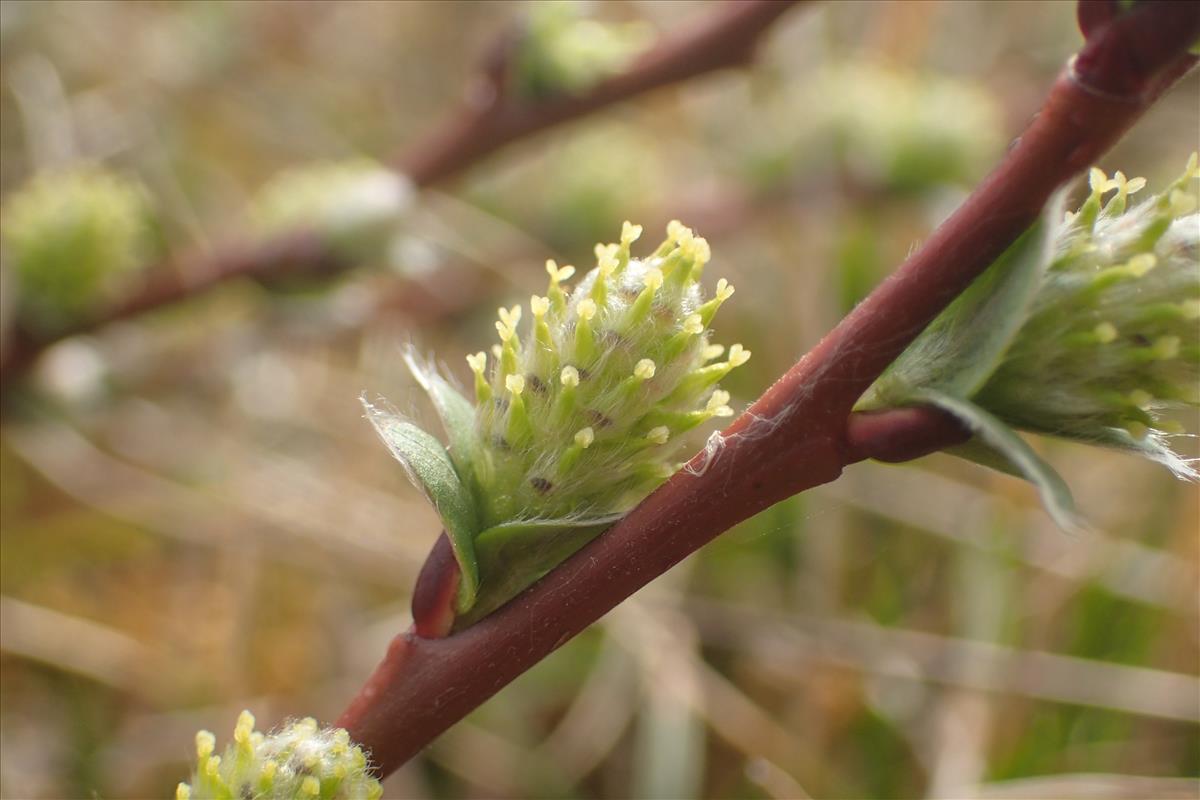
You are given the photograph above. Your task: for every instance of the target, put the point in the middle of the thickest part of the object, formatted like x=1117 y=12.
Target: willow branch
x=800 y=433
x=490 y=117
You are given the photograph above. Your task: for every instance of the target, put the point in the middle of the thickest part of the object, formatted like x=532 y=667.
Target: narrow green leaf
x=455 y=411
x=514 y=555
x=963 y=346
x=430 y=469
x=996 y=442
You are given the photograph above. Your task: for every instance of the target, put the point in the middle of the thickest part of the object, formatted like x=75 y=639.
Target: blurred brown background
x=197 y=519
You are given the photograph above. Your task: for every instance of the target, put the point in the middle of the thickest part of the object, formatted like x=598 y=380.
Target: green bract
x=1088 y=328
x=298 y=762
x=575 y=418
x=69 y=236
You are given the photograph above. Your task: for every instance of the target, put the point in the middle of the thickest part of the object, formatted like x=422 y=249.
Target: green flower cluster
x=575 y=419
x=562 y=51
x=1088 y=328
x=1113 y=337
x=69 y=237
x=300 y=761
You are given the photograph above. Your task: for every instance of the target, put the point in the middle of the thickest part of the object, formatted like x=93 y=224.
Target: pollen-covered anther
x=1099 y=182
x=515 y=383
x=644 y=369
x=510 y=316
x=738 y=355
x=658 y=434
x=584 y=437
x=558 y=274
x=1105 y=332
x=718 y=404
x=606 y=258
x=653 y=279
x=630 y=233
x=206 y=742
x=243 y=730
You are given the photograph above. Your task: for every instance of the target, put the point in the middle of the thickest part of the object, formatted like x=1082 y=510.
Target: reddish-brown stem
x=799 y=433
x=491 y=117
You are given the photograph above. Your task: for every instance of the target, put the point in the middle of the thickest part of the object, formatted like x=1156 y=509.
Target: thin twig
x=490 y=117
x=796 y=435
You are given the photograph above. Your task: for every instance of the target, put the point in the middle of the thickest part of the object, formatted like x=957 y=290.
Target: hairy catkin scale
x=579 y=413
x=1113 y=338
x=300 y=761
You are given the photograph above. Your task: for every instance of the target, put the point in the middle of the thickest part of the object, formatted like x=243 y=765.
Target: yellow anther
x=693 y=325
x=584 y=437
x=205 y=744
x=644 y=369
x=713 y=351
x=539 y=306
x=515 y=383
x=1142 y=263
x=477 y=362
x=630 y=233
x=510 y=316
x=1105 y=332
x=569 y=376
x=659 y=434
x=675 y=230
x=269 y=769
x=738 y=355
x=586 y=308
x=1166 y=347
x=213 y=766
x=701 y=252
x=1098 y=181
x=506 y=332
x=1135 y=185
x=718 y=404
x=606 y=258
x=724 y=290
x=558 y=273
x=311 y=786
x=496 y=351
x=244 y=727
x=653 y=279
x=183 y=792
